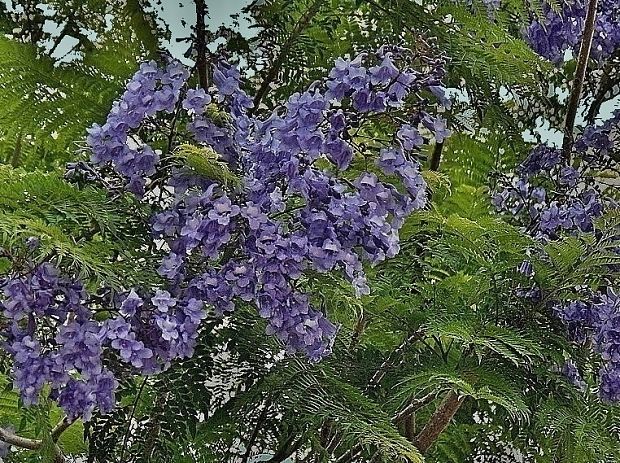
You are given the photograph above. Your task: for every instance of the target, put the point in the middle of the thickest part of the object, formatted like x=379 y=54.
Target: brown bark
x=580 y=74
x=271 y=75
x=438 y=421
x=201 y=46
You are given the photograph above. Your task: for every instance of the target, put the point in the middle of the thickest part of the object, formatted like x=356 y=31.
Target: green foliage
x=442 y=317
x=205 y=162
x=46 y=107
x=83 y=228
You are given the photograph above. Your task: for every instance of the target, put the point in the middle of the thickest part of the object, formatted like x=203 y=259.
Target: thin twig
x=389 y=361
x=133 y=411
x=580 y=74
x=271 y=75
x=201 y=46
x=413 y=406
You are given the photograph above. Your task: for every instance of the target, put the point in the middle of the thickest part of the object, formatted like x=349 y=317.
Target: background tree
x=458 y=352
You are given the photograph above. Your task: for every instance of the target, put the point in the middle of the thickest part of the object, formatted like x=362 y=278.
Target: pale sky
x=176 y=11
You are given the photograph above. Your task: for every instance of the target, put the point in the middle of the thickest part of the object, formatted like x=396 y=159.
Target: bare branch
x=606 y=84
x=413 y=406
x=201 y=46
x=61 y=427
x=391 y=359
x=18 y=441
x=438 y=421
x=580 y=74
x=271 y=75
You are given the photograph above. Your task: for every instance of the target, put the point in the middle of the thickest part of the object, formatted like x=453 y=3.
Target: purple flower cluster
x=223 y=137
x=601 y=319
x=55 y=340
x=572 y=206
x=294 y=215
x=293 y=211
x=151 y=90
x=548 y=195
x=578 y=317
x=607 y=338
x=571 y=372
x=557 y=32
x=598 y=142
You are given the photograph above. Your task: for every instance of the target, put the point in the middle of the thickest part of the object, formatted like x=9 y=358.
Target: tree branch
x=413 y=406
x=438 y=421
x=405 y=413
x=131 y=415
x=201 y=46
x=389 y=361
x=61 y=427
x=580 y=74
x=286 y=449
x=259 y=422
x=436 y=156
x=18 y=441
x=271 y=75
x=35 y=444
x=606 y=84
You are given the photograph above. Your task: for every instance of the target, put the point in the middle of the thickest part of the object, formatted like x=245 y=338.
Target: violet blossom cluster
x=571 y=373
x=55 y=338
x=551 y=196
x=294 y=214
x=151 y=90
x=598 y=319
x=559 y=31
x=297 y=208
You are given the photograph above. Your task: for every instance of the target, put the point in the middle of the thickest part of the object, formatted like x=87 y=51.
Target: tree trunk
x=439 y=421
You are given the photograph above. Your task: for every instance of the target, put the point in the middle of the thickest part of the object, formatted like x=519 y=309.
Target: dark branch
x=272 y=73
x=413 y=406
x=259 y=423
x=580 y=73
x=130 y=419
x=201 y=45
x=286 y=449
x=391 y=359
x=606 y=84
x=436 y=156
x=438 y=421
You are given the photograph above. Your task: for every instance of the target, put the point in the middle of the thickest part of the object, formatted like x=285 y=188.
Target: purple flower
x=131 y=350
x=385 y=72
x=438 y=126
x=131 y=303
x=252 y=212
x=440 y=93
x=410 y=137
x=196 y=100
x=163 y=301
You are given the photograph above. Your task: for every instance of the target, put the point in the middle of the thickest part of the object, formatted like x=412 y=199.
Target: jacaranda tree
x=342 y=236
